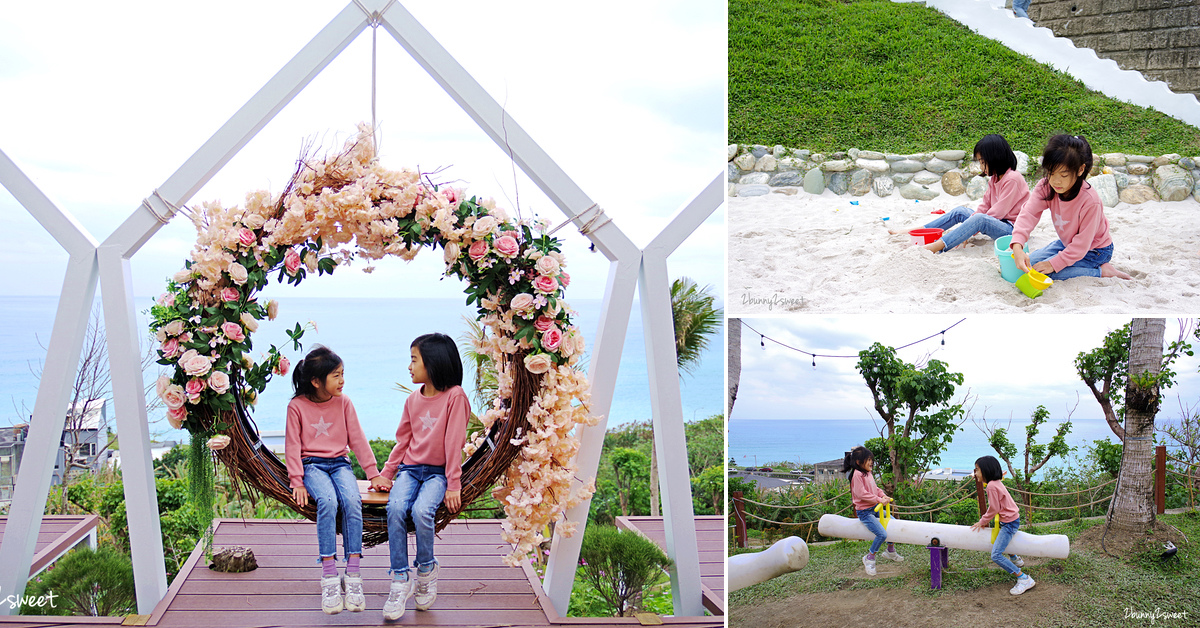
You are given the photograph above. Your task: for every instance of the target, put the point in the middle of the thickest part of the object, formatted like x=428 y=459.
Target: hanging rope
x=842 y=494
x=1093 y=488
x=590 y=224
x=375 y=18
x=1183 y=462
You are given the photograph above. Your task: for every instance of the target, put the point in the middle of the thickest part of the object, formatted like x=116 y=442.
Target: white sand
x=818 y=253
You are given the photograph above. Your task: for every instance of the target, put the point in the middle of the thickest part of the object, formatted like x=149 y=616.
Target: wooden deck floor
x=711 y=540
x=57 y=534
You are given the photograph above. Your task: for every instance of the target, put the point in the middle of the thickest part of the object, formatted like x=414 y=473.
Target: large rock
x=921 y=157
x=786 y=179
x=733 y=149
x=853 y=153
x=1136 y=194
x=976 y=188
x=1187 y=163
x=869 y=154
x=926 y=177
x=745 y=161
x=1022 y=162
x=975 y=168
x=836 y=165
x=860 y=182
x=1138 y=168
x=789 y=191
x=1106 y=186
x=901 y=178
x=1122 y=179
x=841 y=154
x=814 y=181
x=1141 y=159
x=950 y=155
x=874 y=165
x=791 y=163
x=919 y=192
x=883 y=186
x=755 y=178
x=908 y=165
x=817 y=158
x=1172 y=182
x=839 y=182
x=758 y=150
x=753 y=190
x=766 y=163
x=801 y=153
x=778 y=151
x=732 y=172
x=1162 y=160
x=952 y=182
x=1114 y=159
x=892 y=157
x=1196 y=189
x=940 y=165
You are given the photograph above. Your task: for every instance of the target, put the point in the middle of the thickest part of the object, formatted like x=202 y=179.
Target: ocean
x=757 y=442
x=372 y=336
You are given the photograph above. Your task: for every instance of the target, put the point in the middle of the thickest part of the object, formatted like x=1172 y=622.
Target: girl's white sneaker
x=1024 y=583
x=426 y=588
x=355 y=600
x=393 y=608
x=331 y=595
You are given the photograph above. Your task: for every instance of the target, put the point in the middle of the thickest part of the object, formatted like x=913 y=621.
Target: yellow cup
x=1033 y=283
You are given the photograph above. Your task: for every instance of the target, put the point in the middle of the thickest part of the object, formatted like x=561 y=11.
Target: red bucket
x=925 y=236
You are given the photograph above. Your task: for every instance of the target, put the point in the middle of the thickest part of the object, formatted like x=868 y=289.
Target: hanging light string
x=763 y=338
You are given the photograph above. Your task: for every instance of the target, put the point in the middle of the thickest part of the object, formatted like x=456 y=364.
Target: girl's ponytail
x=301 y=384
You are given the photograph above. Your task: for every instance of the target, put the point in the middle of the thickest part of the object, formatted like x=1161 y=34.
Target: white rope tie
x=591 y=224
x=172 y=208
x=374 y=20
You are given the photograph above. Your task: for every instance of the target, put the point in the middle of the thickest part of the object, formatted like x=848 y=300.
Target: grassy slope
x=1103 y=586
x=872 y=74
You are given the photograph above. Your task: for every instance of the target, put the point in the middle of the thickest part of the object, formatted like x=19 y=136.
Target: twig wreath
x=344 y=206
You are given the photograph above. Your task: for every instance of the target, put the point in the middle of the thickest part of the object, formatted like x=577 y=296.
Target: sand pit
x=818 y=253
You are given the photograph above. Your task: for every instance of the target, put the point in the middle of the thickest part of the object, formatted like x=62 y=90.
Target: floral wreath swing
x=514 y=274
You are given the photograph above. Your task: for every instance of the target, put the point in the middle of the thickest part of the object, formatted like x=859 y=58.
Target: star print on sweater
x=428 y=421
x=322 y=427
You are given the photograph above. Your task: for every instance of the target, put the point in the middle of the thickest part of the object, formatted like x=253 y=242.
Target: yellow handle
x=995 y=528
x=885 y=513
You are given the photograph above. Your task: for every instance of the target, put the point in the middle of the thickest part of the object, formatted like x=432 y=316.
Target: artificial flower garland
x=514 y=273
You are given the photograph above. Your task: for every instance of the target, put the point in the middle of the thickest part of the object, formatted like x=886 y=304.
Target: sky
x=1011 y=363
x=101 y=105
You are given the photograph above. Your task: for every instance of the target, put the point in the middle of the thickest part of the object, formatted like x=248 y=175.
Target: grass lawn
x=1097 y=588
x=872 y=74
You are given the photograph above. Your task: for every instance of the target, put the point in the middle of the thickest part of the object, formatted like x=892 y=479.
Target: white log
x=786 y=556
x=949 y=535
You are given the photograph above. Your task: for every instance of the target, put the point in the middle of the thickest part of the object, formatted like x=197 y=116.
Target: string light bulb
x=943 y=338
x=814 y=362
x=762 y=341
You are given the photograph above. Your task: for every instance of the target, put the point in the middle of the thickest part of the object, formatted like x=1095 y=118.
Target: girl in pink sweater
x=987 y=470
x=427 y=465
x=1084 y=247
x=321 y=427
x=865 y=496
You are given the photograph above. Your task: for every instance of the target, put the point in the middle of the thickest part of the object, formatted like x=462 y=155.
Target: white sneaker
x=894 y=556
x=869 y=564
x=426 y=588
x=331 y=595
x=393 y=608
x=1024 y=583
x=355 y=600
x=1016 y=560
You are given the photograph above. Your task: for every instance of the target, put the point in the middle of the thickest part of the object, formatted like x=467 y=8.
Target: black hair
x=855 y=460
x=318 y=364
x=990 y=468
x=994 y=151
x=1070 y=152
x=442 y=362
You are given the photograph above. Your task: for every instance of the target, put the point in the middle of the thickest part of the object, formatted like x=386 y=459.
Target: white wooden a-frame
x=110 y=260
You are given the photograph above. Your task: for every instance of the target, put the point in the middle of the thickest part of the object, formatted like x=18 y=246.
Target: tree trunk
x=733 y=330
x=653 y=478
x=1133 y=505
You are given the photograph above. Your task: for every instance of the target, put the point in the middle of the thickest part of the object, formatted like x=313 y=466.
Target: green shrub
x=85 y=582
x=621 y=566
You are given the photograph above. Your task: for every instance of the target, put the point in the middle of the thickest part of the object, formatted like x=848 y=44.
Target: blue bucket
x=1008 y=267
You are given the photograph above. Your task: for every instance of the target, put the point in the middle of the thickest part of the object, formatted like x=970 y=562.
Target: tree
x=631 y=469
x=1036 y=456
x=1133 y=505
x=621 y=566
x=733 y=333
x=1103 y=370
x=919 y=422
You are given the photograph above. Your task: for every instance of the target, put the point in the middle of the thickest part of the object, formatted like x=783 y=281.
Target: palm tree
x=696 y=319
x=1133 y=505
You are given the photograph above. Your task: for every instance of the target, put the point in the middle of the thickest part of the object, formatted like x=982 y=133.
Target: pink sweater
x=328 y=430
x=999 y=502
x=1080 y=223
x=863 y=492
x=1005 y=196
x=433 y=430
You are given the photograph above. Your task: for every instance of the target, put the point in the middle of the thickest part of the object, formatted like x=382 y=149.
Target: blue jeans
x=1007 y=530
x=972 y=223
x=872 y=522
x=1089 y=266
x=417 y=492
x=1021 y=8
x=332 y=485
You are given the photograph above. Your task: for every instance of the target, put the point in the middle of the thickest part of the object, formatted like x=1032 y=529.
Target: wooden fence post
x=1160 y=478
x=739 y=519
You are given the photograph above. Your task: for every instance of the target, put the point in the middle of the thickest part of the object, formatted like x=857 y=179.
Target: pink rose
x=478 y=249
x=161 y=385
x=230 y=294
x=173 y=396
x=283 y=367
x=545 y=284
x=522 y=302
x=250 y=322
x=272 y=309
x=176 y=416
x=232 y=331
x=507 y=246
x=195 y=386
x=564 y=279
x=543 y=323
x=217 y=443
x=291 y=261
x=483 y=225
x=170 y=347
x=196 y=365
x=238 y=273
x=551 y=339
x=219 y=381
x=451 y=195
x=547 y=265
x=174 y=328
x=246 y=237
x=538 y=363
x=166 y=299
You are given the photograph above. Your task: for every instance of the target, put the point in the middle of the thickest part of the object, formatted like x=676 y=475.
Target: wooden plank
x=263 y=602
x=486 y=573
x=65 y=541
x=314 y=617
x=379 y=584
x=185 y=570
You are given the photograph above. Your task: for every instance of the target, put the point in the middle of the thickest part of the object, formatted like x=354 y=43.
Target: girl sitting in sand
x=1084 y=247
x=1006 y=194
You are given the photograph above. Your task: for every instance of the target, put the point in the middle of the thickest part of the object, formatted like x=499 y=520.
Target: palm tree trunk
x=733 y=331
x=1133 y=505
